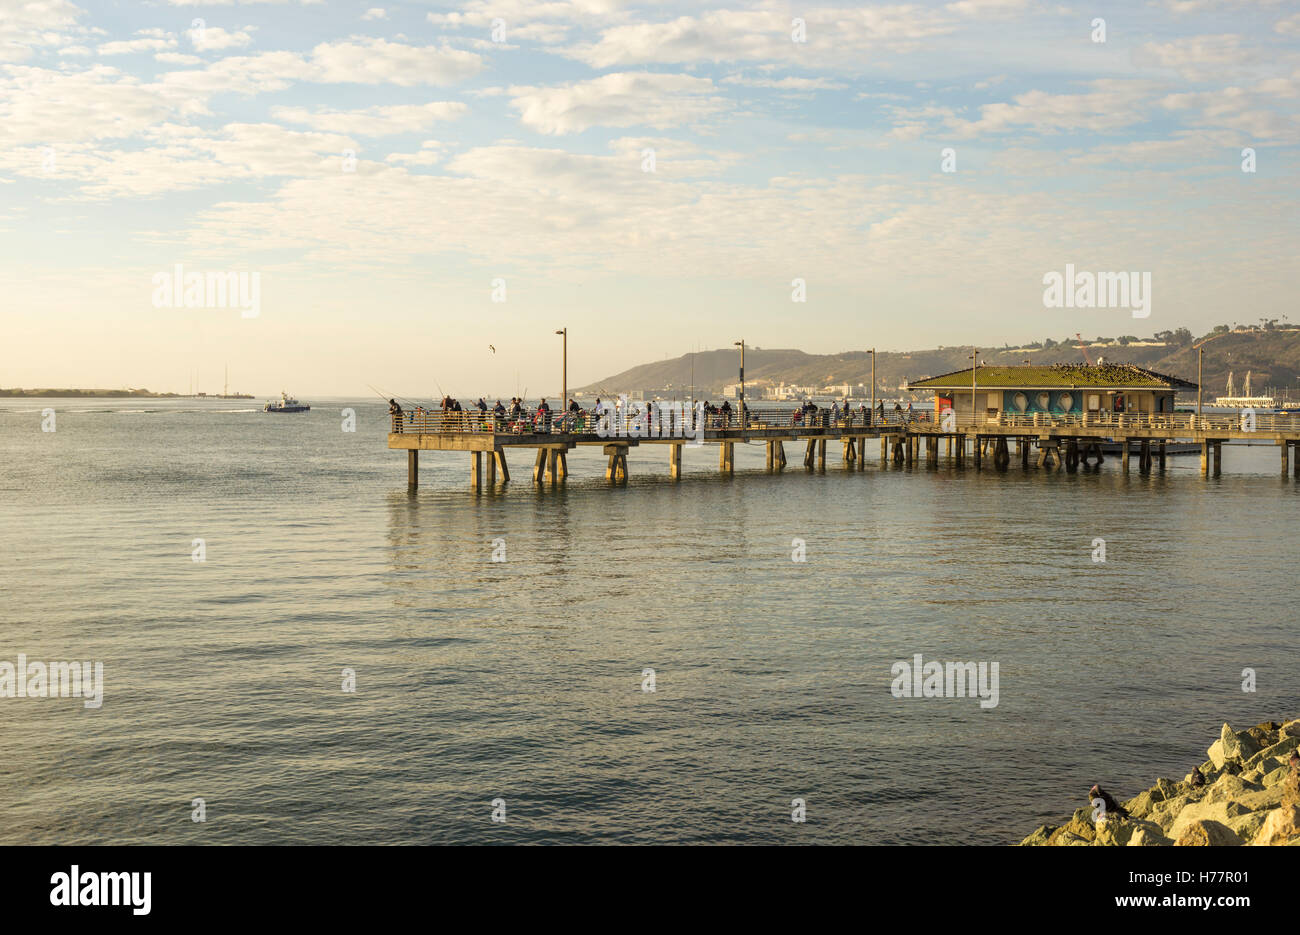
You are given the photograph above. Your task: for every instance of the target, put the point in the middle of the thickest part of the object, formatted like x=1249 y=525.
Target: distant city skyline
x=423 y=193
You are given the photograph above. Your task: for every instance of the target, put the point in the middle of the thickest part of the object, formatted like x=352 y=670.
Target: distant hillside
x=1272 y=356
x=58 y=393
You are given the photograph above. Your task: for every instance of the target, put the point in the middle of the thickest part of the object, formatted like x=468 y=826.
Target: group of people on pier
x=518 y=417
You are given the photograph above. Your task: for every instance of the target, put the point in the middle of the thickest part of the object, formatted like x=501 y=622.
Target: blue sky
x=507 y=141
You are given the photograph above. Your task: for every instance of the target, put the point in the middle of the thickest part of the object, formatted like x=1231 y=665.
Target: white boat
x=285 y=403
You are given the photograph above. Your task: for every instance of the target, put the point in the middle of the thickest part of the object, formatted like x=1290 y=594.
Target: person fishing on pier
x=395 y=413
x=544 y=415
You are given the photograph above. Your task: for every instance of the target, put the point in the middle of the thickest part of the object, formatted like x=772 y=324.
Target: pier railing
x=676 y=421
x=434 y=422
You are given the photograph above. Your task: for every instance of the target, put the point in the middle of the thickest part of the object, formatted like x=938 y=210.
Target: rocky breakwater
x=1247 y=792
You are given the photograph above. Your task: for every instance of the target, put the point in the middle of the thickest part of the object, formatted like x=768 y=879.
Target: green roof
x=1103 y=376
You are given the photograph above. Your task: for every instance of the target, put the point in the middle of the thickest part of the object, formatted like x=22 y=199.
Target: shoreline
x=1248 y=793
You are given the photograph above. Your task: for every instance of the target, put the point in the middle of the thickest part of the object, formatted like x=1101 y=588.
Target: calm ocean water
x=521 y=680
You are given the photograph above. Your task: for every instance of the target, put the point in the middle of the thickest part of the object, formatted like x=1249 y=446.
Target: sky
x=423 y=193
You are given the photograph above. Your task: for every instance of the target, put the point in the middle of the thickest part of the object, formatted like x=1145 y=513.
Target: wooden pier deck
x=1041 y=441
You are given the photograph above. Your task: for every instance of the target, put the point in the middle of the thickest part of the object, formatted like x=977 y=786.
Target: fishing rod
x=386 y=396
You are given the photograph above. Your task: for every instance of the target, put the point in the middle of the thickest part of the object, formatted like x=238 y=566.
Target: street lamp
x=1200 y=356
x=974 y=368
x=741 y=344
x=873 y=385
x=564 y=373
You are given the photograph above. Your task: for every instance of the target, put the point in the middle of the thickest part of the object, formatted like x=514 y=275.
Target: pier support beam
x=1024 y=453
x=770 y=463
x=821 y=454
x=1205 y=458
x=977 y=451
x=675 y=462
x=539 y=466
x=1218 y=458
x=491 y=469
x=909 y=441
x=476 y=469
x=1123 y=458
x=780 y=455
x=1161 y=455
x=412 y=469
x=616 y=472
x=727 y=457
x=500 y=456
x=884 y=449
x=1286 y=450
x=1144 y=456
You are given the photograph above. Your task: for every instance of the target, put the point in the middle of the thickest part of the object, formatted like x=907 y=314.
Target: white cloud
x=1111 y=105
x=34 y=24
x=133 y=46
x=834 y=35
x=791 y=83
x=377 y=61
x=375 y=13
x=1198 y=58
x=214 y=38
x=430 y=153
x=622 y=99
x=374 y=121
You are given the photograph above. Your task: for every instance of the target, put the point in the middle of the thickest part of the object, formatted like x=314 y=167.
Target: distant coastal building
x=1058 y=388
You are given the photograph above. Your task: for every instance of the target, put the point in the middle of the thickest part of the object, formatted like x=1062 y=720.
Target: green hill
x=1272 y=356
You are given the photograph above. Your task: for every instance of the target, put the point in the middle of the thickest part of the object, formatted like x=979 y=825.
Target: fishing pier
x=1067 y=441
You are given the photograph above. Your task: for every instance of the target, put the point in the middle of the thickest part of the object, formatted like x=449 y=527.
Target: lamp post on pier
x=564 y=372
x=873 y=385
x=741 y=344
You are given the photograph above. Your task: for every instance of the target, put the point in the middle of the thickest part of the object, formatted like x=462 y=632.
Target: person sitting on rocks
x=1111 y=806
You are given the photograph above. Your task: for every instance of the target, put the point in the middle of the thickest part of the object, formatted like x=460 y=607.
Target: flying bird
x=492 y=349
x=1112 y=807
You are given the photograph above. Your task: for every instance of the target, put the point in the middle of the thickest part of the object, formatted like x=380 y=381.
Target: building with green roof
x=1057 y=389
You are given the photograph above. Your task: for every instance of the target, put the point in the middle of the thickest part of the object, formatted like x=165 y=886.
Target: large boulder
x=1140 y=805
x=1079 y=826
x=1261 y=800
x=1114 y=833
x=1164 y=813
x=1274 y=776
x=1148 y=834
x=1228 y=787
x=1281 y=827
x=1281 y=750
x=1207 y=833
x=1237 y=745
x=1248 y=825
x=1290 y=729
x=1221 y=812
x=1039 y=837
